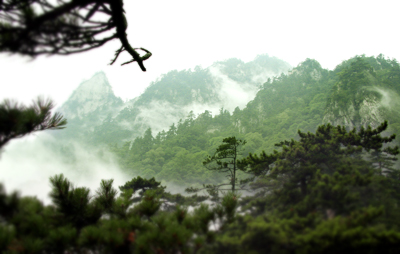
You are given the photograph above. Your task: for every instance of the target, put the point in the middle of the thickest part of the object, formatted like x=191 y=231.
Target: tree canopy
x=106 y=223
x=325 y=193
x=331 y=158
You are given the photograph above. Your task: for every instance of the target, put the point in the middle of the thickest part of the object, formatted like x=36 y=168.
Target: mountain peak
x=95 y=88
x=90 y=95
x=308 y=67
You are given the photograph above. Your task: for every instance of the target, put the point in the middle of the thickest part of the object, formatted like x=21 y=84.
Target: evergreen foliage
x=321 y=194
x=332 y=191
x=324 y=193
x=18 y=120
x=139 y=186
x=303 y=99
x=105 y=223
x=225 y=159
x=170 y=98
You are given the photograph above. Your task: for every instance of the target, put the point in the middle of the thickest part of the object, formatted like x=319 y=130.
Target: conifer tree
x=105 y=223
x=225 y=159
x=139 y=186
x=324 y=196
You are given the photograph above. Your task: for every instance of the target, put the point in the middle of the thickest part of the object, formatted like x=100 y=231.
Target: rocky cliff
x=94 y=96
x=88 y=106
x=361 y=96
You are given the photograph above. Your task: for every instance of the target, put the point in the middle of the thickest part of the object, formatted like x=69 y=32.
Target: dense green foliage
x=321 y=195
x=326 y=193
x=303 y=99
x=361 y=82
x=326 y=189
x=262 y=123
x=140 y=185
x=105 y=223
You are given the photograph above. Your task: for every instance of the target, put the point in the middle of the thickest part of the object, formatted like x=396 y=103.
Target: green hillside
x=96 y=116
x=326 y=189
x=301 y=100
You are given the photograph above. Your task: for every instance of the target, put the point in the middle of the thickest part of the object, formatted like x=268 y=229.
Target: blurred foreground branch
x=18 y=120
x=36 y=27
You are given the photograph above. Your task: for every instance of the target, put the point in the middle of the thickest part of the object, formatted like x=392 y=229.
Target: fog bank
x=27 y=164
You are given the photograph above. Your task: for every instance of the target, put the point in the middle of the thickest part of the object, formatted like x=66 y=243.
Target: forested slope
x=301 y=100
x=97 y=117
x=326 y=190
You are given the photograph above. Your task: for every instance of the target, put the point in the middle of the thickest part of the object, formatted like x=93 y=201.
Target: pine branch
x=64 y=29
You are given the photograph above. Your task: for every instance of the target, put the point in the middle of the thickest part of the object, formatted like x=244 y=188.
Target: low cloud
x=27 y=164
x=231 y=93
x=159 y=115
x=390 y=99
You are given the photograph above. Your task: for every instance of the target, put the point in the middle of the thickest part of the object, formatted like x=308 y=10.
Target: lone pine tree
x=225 y=159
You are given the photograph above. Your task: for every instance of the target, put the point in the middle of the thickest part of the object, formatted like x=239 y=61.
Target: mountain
x=103 y=118
x=183 y=116
x=359 y=92
x=93 y=98
x=88 y=106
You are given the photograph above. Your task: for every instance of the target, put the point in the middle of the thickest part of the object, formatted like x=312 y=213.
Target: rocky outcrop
x=88 y=107
x=94 y=96
x=367 y=107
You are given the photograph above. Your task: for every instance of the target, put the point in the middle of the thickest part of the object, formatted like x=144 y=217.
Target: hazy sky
x=184 y=33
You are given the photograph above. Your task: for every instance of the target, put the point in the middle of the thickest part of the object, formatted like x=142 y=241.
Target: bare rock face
x=368 y=105
x=88 y=106
x=359 y=97
x=92 y=96
x=371 y=112
x=368 y=112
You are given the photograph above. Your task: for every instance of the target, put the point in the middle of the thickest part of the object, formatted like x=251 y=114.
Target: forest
x=310 y=165
x=302 y=100
x=270 y=178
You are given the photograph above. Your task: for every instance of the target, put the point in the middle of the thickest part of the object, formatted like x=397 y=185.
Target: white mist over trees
x=318 y=187
x=28 y=163
x=224 y=85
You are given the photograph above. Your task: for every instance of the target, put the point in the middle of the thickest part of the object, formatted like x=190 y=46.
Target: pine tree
x=105 y=223
x=17 y=120
x=323 y=196
x=139 y=186
x=225 y=159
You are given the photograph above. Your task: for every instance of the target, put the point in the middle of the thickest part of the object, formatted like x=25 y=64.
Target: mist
x=26 y=165
x=160 y=115
x=390 y=99
x=234 y=94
